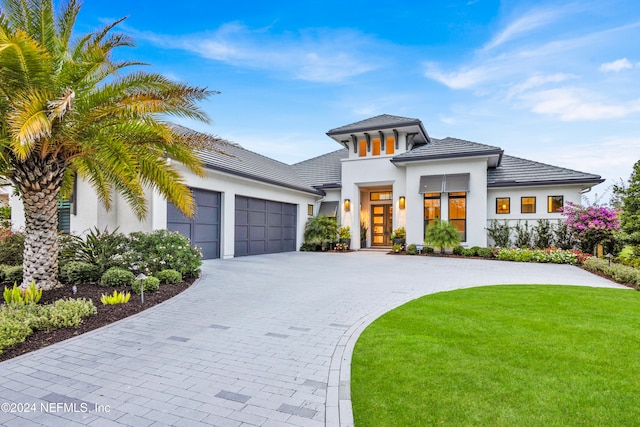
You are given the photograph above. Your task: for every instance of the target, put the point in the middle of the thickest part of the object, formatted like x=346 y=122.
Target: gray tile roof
x=514 y=171
x=235 y=160
x=447 y=148
x=382 y=121
x=323 y=171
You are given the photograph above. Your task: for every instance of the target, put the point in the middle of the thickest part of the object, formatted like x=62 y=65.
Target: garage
x=264 y=226
x=204 y=228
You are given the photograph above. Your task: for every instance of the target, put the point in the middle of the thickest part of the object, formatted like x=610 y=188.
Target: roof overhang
x=539 y=183
x=258 y=178
x=414 y=127
x=494 y=157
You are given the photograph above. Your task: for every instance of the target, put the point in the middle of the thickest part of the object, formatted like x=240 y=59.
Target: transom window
x=555 y=203
x=528 y=205
x=376 y=196
x=503 y=205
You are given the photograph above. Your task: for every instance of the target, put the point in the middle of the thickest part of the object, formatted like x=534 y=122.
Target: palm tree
x=442 y=234
x=67 y=112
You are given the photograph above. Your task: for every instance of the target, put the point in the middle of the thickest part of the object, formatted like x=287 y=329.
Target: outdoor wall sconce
x=402 y=202
x=347 y=205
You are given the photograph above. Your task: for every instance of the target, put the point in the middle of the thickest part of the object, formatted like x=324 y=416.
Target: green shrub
x=542 y=234
x=68 y=313
x=412 y=249
x=320 y=230
x=468 y=252
x=11 y=246
x=18 y=321
x=397 y=247
x=442 y=234
x=115 y=298
x=524 y=235
x=618 y=272
x=428 y=249
x=16 y=295
x=76 y=272
x=149 y=253
x=115 y=277
x=150 y=284
x=458 y=250
x=103 y=249
x=500 y=233
x=556 y=256
x=169 y=277
x=13 y=274
x=485 y=252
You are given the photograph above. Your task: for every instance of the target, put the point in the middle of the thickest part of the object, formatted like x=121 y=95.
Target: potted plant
x=398 y=236
x=363 y=235
x=344 y=233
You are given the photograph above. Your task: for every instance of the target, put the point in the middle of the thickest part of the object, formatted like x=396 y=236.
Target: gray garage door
x=204 y=228
x=264 y=226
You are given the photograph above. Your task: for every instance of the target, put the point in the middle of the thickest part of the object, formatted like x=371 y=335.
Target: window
x=390 y=145
x=458 y=213
x=376 y=147
x=376 y=196
x=64 y=216
x=528 y=205
x=555 y=203
x=503 y=205
x=431 y=209
x=362 y=148
x=310 y=210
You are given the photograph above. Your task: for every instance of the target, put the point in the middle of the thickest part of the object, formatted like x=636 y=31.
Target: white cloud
x=311 y=55
x=618 y=65
x=573 y=104
x=525 y=24
x=462 y=79
x=537 y=81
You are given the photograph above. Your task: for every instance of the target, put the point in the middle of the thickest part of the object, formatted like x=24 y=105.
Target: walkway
x=258 y=341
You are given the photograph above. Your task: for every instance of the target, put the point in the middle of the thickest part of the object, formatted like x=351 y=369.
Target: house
x=389 y=174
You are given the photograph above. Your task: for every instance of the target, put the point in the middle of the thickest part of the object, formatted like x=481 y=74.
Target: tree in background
x=68 y=111
x=628 y=197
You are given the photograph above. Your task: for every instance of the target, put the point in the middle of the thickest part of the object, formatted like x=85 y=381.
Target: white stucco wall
x=232 y=185
x=91 y=212
x=570 y=193
x=476 y=197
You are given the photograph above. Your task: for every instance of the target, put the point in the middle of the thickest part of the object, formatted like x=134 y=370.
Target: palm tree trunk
x=39 y=181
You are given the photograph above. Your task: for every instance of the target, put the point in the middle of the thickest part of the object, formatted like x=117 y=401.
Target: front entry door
x=381 y=220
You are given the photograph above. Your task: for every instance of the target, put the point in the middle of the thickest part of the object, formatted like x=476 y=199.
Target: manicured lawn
x=502 y=356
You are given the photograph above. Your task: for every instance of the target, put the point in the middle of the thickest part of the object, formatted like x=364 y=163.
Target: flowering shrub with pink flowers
x=590 y=225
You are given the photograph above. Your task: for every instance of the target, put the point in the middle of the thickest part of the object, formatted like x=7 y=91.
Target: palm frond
x=24 y=62
x=28 y=122
x=67 y=15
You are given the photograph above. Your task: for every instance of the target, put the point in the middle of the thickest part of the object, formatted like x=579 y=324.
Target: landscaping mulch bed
x=106 y=313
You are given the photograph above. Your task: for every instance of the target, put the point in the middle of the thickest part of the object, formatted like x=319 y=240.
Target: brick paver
x=257 y=341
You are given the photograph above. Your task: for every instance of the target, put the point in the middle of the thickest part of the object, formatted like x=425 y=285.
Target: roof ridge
x=318 y=157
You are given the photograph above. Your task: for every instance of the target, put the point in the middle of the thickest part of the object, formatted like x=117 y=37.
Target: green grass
x=502 y=356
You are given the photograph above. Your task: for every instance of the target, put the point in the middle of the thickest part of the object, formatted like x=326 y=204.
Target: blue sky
x=557 y=82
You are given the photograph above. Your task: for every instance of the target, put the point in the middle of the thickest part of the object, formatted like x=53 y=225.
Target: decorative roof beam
x=368 y=138
x=355 y=143
x=410 y=137
x=395 y=137
x=381 y=140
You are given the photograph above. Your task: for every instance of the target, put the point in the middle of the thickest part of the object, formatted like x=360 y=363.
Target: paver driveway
x=263 y=340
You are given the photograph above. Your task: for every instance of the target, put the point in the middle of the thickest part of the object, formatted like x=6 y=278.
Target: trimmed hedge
x=76 y=272
x=618 y=272
x=150 y=284
x=115 y=276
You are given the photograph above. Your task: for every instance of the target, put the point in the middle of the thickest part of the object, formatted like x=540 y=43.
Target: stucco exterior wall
x=570 y=193
x=230 y=186
x=476 y=197
x=91 y=212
